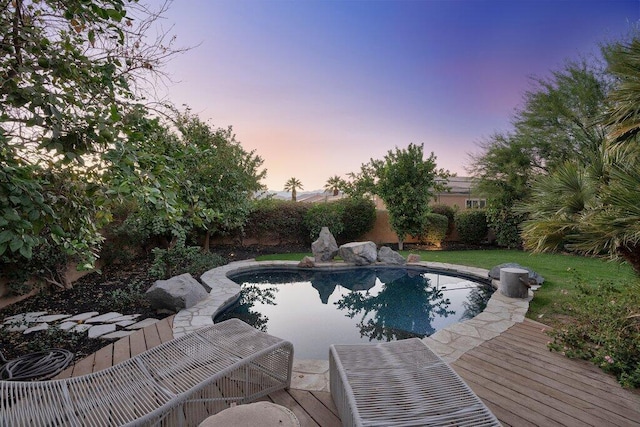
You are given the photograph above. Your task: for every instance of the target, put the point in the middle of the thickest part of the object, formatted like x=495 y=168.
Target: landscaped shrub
x=436 y=231
x=472 y=226
x=182 y=259
x=447 y=211
x=358 y=217
x=605 y=330
x=506 y=226
x=323 y=215
x=278 y=219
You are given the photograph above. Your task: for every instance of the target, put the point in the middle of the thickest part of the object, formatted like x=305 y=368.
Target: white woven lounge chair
x=178 y=383
x=401 y=383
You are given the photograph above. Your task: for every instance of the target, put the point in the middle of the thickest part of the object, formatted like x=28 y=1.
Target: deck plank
x=151 y=337
x=104 y=358
x=137 y=344
x=283 y=398
x=315 y=408
x=524 y=383
x=121 y=350
x=165 y=329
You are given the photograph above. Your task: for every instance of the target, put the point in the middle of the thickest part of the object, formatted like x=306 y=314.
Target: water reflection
x=318 y=308
x=404 y=308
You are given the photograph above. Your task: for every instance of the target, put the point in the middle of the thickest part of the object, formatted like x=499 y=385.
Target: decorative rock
x=413 y=258
x=359 y=253
x=534 y=278
x=389 y=256
x=307 y=262
x=325 y=248
x=176 y=293
x=99 y=330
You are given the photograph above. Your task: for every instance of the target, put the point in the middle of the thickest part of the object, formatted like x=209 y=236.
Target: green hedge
x=281 y=219
x=448 y=212
x=436 y=230
x=472 y=226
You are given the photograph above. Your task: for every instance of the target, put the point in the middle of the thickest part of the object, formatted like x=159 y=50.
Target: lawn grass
x=562 y=273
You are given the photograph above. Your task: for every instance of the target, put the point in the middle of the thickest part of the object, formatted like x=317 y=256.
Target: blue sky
x=319 y=87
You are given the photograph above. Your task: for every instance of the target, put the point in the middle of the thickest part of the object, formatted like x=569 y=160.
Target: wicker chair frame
x=178 y=383
x=401 y=383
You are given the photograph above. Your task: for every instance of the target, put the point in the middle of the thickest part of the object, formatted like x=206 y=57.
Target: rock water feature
x=325 y=249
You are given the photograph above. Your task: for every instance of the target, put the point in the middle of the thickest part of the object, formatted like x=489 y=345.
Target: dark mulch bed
x=108 y=290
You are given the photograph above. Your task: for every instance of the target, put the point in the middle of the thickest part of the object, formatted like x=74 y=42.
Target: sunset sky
x=319 y=87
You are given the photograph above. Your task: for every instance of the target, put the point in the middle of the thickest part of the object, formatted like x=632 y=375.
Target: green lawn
x=562 y=273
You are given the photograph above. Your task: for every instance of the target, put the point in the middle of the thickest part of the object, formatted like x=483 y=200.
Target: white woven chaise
x=401 y=383
x=178 y=383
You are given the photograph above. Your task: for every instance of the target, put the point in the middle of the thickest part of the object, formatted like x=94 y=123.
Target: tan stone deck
x=522 y=382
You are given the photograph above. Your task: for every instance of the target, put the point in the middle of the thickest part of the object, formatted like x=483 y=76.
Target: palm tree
x=334 y=184
x=293 y=184
x=623 y=62
x=589 y=209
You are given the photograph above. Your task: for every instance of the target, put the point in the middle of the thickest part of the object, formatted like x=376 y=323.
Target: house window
x=476 y=203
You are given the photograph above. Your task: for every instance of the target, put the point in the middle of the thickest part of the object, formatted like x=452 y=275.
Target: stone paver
x=38 y=327
x=449 y=343
x=52 y=318
x=83 y=316
x=143 y=323
x=103 y=317
x=99 y=330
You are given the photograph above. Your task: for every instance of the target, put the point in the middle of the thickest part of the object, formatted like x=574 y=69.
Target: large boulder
x=325 y=248
x=387 y=255
x=534 y=278
x=359 y=253
x=176 y=293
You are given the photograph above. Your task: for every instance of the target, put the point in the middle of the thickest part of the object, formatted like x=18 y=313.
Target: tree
x=407 y=183
x=70 y=73
x=198 y=178
x=623 y=116
x=559 y=121
x=293 y=185
x=334 y=185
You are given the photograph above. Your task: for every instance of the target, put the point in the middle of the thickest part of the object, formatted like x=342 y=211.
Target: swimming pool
x=316 y=308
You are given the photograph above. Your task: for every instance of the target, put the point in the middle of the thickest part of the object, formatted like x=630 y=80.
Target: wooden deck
x=522 y=382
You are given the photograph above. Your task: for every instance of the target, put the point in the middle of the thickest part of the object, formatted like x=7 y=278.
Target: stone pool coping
x=449 y=343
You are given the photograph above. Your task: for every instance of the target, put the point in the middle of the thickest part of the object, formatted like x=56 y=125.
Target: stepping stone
x=52 y=318
x=103 y=317
x=83 y=316
x=38 y=327
x=17 y=327
x=117 y=335
x=81 y=328
x=124 y=318
x=143 y=323
x=99 y=330
x=65 y=326
x=24 y=317
x=125 y=323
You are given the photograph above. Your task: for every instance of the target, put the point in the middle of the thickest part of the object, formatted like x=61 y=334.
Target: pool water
x=314 y=309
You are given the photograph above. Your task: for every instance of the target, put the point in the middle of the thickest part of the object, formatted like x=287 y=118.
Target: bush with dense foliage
x=358 y=217
x=436 y=231
x=606 y=330
x=448 y=212
x=472 y=226
x=283 y=221
x=182 y=259
x=323 y=215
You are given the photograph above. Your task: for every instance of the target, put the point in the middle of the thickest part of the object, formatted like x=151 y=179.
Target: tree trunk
x=400 y=244
x=631 y=254
x=207 y=239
